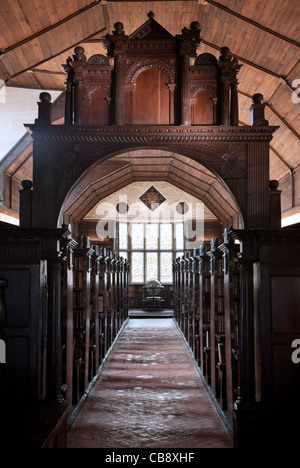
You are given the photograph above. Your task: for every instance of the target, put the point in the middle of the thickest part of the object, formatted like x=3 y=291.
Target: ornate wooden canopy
x=147 y=94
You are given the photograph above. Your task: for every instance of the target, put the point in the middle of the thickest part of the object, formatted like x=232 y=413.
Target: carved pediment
x=151 y=30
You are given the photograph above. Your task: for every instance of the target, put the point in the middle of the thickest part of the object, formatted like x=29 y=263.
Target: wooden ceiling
x=37 y=36
x=151 y=165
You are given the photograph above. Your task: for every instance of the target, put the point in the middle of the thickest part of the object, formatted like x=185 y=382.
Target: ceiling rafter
x=48 y=29
x=283 y=78
x=51 y=57
x=254 y=23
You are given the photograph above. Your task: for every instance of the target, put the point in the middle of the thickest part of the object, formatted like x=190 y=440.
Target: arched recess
x=120 y=170
x=98 y=107
x=203 y=109
x=151 y=98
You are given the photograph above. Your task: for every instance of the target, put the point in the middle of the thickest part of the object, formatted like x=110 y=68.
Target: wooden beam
x=254 y=23
x=49 y=28
x=53 y=56
x=282 y=78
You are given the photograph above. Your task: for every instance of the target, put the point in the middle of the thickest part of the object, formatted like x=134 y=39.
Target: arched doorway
x=148 y=165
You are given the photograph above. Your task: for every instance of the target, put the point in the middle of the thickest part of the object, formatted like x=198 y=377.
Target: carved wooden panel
x=203 y=109
x=151 y=98
x=98 y=107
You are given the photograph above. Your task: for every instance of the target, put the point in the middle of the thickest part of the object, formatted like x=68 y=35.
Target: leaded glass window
x=151 y=265
x=166 y=273
x=151 y=236
x=179 y=239
x=137 y=267
x=123 y=236
x=166 y=236
x=150 y=249
x=137 y=236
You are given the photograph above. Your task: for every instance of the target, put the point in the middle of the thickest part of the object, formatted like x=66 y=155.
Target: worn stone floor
x=149 y=395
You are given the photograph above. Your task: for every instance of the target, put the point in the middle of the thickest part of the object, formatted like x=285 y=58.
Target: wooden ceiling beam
x=283 y=79
x=52 y=56
x=48 y=29
x=254 y=23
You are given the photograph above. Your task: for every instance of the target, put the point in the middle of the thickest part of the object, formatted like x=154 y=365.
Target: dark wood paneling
x=151 y=98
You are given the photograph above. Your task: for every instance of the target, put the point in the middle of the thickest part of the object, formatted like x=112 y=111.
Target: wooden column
x=185 y=90
x=69 y=103
x=119 y=89
x=78 y=102
x=234 y=105
x=171 y=88
x=225 y=110
x=215 y=110
x=79 y=61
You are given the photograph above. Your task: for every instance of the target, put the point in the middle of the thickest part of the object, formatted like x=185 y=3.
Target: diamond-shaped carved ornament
x=152 y=198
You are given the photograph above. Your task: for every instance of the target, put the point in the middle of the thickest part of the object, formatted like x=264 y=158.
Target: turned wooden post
x=69 y=103
x=257 y=110
x=79 y=59
x=234 y=106
x=44 y=110
x=119 y=89
x=185 y=90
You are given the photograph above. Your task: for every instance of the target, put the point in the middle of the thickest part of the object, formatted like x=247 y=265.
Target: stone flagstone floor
x=149 y=395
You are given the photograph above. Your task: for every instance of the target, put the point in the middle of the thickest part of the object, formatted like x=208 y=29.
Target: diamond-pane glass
x=151 y=265
x=166 y=271
x=166 y=237
x=151 y=236
x=123 y=236
x=137 y=267
x=137 y=236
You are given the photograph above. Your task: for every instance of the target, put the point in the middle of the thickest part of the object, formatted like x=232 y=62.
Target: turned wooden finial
x=45 y=107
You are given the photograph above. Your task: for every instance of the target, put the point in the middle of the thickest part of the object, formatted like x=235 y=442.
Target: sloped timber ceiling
x=150 y=165
x=37 y=36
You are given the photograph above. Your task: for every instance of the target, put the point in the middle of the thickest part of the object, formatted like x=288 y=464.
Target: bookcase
x=82 y=315
x=207 y=303
x=232 y=305
x=102 y=305
x=216 y=312
x=204 y=312
x=67 y=247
